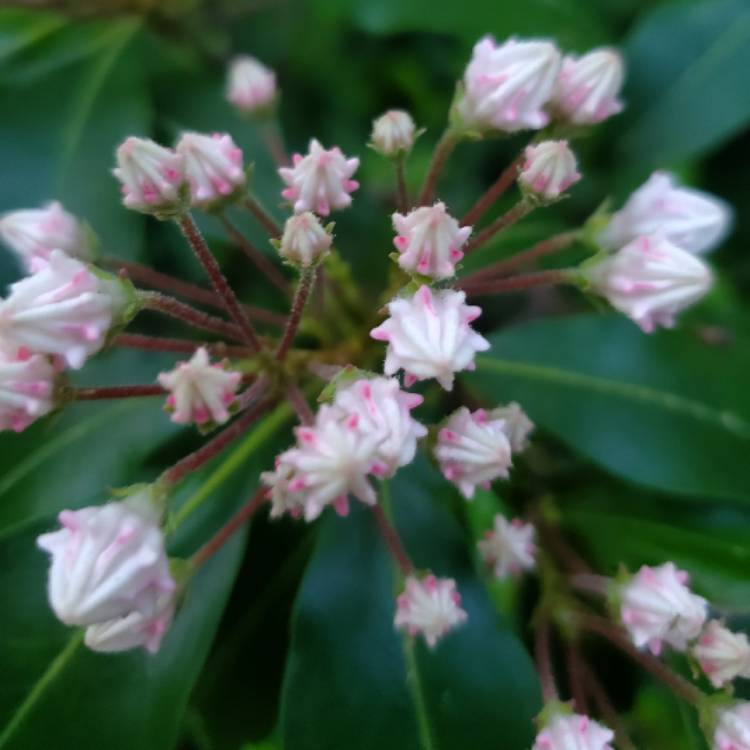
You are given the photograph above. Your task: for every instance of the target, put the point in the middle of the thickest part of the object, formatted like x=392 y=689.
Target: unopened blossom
x=507 y=86
x=383 y=411
x=509 y=547
x=574 y=732
x=305 y=241
x=517 y=425
x=657 y=607
x=691 y=219
x=732 y=731
x=473 y=450
x=251 y=86
x=430 y=607
x=331 y=460
x=429 y=335
x=134 y=630
x=65 y=309
x=213 y=167
x=33 y=233
x=429 y=241
x=107 y=562
x=650 y=280
x=722 y=654
x=200 y=391
x=27 y=384
x=588 y=86
x=152 y=177
x=393 y=133
x=321 y=181
x=549 y=169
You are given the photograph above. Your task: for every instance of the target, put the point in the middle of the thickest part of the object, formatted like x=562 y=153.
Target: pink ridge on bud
x=393 y=133
x=251 y=86
x=549 y=170
x=574 y=732
x=732 y=730
x=27 y=385
x=305 y=241
x=509 y=547
x=722 y=654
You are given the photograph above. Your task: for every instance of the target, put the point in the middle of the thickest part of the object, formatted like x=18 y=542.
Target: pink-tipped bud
x=507 y=86
x=574 y=732
x=393 y=133
x=251 y=86
x=27 y=388
x=429 y=336
x=722 y=654
x=509 y=547
x=650 y=280
x=548 y=171
x=305 y=241
x=587 y=87
x=213 y=167
x=430 y=607
x=152 y=177
x=732 y=728
x=32 y=234
x=429 y=241
x=321 y=181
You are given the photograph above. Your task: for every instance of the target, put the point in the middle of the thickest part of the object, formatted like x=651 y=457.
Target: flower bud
x=429 y=241
x=65 y=309
x=251 y=86
x=200 y=392
x=393 y=133
x=548 y=171
x=691 y=219
x=320 y=181
x=429 y=336
x=722 y=654
x=657 y=607
x=430 y=607
x=213 y=167
x=587 y=87
x=27 y=385
x=152 y=177
x=574 y=732
x=650 y=280
x=507 y=86
x=509 y=548
x=107 y=561
x=32 y=234
x=732 y=731
x=305 y=241
x=517 y=426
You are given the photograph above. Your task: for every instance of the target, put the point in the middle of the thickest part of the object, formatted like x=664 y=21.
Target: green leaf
x=662 y=410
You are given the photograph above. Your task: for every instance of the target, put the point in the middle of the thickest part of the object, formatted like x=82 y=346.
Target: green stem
x=414 y=681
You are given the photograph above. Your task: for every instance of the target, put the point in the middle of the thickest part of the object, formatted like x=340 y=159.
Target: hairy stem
x=393 y=540
x=180 y=346
x=448 y=141
x=306 y=281
x=510 y=217
x=116 y=391
x=543 y=656
x=262 y=217
x=484 y=203
x=516 y=283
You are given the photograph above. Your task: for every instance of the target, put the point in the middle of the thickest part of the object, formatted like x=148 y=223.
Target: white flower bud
x=517 y=425
x=732 y=730
x=509 y=547
x=650 y=280
x=722 y=654
x=574 y=732
x=549 y=170
x=393 y=133
x=251 y=86
x=32 y=234
x=305 y=241
x=27 y=385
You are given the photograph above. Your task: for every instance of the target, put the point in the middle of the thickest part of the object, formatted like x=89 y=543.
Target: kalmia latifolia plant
x=109 y=571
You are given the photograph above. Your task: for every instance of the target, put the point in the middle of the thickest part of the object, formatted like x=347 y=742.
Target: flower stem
x=262 y=217
x=543 y=656
x=116 y=391
x=393 y=540
x=402 y=193
x=299 y=402
x=484 y=203
x=306 y=281
x=575 y=678
x=218 y=280
x=510 y=217
x=516 y=283
x=179 y=346
x=448 y=141
x=270 y=131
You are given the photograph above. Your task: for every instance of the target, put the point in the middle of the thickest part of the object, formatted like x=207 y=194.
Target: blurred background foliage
x=643 y=449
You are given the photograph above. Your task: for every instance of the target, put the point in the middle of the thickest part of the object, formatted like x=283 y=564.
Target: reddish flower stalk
x=575 y=678
x=180 y=346
x=402 y=193
x=306 y=281
x=117 y=391
x=443 y=150
x=262 y=217
x=510 y=217
x=393 y=540
x=543 y=657
x=516 y=283
x=484 y=203
x=218 y=280
x=299 y=402
x=271 y=134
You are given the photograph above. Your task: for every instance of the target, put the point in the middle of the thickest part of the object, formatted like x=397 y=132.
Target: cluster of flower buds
x=567 y=731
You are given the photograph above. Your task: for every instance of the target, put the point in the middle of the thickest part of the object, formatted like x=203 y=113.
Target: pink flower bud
x=473 y=449
x=507 y=86
x=430 y=607
x=213 y=167
x=429 y=241
x=587 y=87
x=65 y=309
x=650 y=280
x=429 y=336
x=32 y=234
x=732 y=730
x=320 y=181
x=107 y=561
x=393 y=133
x=722 y=654
x=509 y=548
x=574 y=732
x=251 y=86
x=152 y=177
x=657 y=607
x=27 y=386
x=383 y=411
x=517 y=426
x=200 y=392
x=691 y=219
x=549 y=170
x=305 y=242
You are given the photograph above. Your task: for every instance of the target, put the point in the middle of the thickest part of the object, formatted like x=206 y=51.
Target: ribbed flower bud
x=732 y=730
x=27 y=385
x=517 y=425
x=509 y=547
x=574 y=732
x=722 y=654
x=393 y=133
x=305 y=241
x=548 y=171
x=251 y=86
